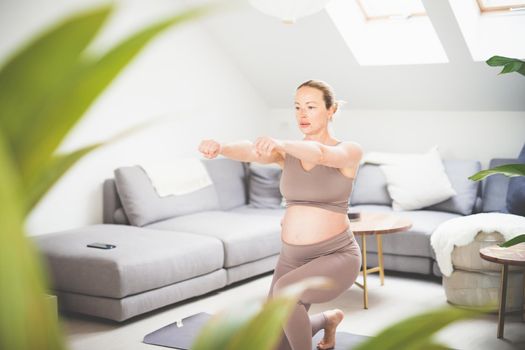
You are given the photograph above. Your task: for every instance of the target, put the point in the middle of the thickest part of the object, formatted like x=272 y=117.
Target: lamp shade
x=289 y=10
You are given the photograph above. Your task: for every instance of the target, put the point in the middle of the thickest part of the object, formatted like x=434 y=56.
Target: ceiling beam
x=448 y=31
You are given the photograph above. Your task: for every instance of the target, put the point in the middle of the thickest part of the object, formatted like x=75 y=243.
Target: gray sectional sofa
x=176 y=247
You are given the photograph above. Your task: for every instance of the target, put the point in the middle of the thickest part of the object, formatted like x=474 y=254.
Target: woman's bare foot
x=333 y=318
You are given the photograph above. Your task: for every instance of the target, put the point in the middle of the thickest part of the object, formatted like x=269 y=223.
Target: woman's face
x=310 y=110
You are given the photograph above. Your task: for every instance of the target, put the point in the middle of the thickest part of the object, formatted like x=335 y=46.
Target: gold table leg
x=365 y=270
x=502 y=300
x=380 y=259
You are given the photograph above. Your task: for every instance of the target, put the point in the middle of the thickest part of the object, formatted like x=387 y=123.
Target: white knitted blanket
x=461 y=231
x=177 y=176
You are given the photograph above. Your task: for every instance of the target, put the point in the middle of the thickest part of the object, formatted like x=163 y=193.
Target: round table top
x=380 y=223
x=514 y=255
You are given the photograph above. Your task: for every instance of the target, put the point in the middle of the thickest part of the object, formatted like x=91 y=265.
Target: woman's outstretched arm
x=238 y=150
x=306 y=150
x=243 y=150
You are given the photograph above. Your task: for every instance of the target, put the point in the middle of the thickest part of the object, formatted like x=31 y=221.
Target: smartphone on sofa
x=101 y=245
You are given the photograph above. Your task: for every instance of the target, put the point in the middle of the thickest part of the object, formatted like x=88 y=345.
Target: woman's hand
x=210 y=148
x=264 y=145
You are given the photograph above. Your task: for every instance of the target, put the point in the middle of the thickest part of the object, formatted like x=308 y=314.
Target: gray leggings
x=338 y=258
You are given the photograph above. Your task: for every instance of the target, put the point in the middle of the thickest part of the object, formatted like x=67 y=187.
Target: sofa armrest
x=111 y=201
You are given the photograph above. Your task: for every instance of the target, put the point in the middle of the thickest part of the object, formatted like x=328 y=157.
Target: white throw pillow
x=418 y=181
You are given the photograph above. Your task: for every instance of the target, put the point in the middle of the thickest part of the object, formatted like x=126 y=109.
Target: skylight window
x=393 y=9
x=387 y=32
x=488 y=6
x=491 y=27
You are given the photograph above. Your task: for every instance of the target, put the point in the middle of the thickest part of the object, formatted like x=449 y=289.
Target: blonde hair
x=328 y=94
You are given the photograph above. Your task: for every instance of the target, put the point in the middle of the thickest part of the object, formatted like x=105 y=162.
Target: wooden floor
x=400 y=297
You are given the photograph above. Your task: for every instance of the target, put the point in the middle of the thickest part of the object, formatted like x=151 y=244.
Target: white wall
x=459 y=135
x=182 y=75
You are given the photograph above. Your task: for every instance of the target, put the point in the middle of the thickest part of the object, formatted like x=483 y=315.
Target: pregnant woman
x=316 y=182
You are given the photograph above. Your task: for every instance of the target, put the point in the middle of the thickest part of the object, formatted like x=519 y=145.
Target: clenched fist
x=210 y=148
x=265 y=145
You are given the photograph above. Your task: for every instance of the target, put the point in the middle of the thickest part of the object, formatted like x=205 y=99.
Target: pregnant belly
x=303 y=224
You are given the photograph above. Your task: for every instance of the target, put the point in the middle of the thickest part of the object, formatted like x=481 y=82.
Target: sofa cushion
x=516 y=191
x=230 y=180
x=370 y=207
x=370 y=186
x=143 y=205
x=263 y=186
x=458 y=172
x=246 y=237
x=414 y=242
x=494 y=188
x=144 y=259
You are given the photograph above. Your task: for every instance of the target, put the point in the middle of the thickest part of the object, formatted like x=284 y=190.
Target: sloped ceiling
x=276 y=58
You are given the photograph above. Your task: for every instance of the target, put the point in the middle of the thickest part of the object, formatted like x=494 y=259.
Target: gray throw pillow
x=458 y=172
x=494 y=188
x=516 y=192
x=370 y=186
x=263 y=186
x=143 y=206
x=229 y=178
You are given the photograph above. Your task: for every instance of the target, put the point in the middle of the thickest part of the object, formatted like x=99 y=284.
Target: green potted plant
x=509 y=65
x=45 y=88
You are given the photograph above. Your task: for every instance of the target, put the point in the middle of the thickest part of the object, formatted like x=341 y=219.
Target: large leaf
x=38 y=185
x=250 y=326
x=26 y=319
x=509 y=170
x=513 y=241
x=509 y=64
x=416 y=331
x=496 y=61
x=33 y=75
x=68 y=102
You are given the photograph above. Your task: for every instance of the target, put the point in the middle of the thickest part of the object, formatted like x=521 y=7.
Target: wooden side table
x=376 y=224
x=514 y=255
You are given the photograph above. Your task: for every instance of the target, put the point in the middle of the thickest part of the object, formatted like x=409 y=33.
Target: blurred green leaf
x=35 y=74
x=39 y=184
x=513 y=241
x=45 y=88
x=264 y=330
x=509 y=170
x=415 y=332
x=250 y=326
x=81 y=91
x=67 y=102
x=218 y=331
x=24 y=308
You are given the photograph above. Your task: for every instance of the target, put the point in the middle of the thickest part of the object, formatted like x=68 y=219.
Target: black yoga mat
x=175 y=337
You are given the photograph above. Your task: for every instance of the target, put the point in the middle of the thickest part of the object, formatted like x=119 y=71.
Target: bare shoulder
x=355 y=152
x=353 y=147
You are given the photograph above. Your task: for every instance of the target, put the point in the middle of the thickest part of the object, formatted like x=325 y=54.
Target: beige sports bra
x=322 y=186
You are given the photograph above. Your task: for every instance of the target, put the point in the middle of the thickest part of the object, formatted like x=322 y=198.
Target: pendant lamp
x=289 y=10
